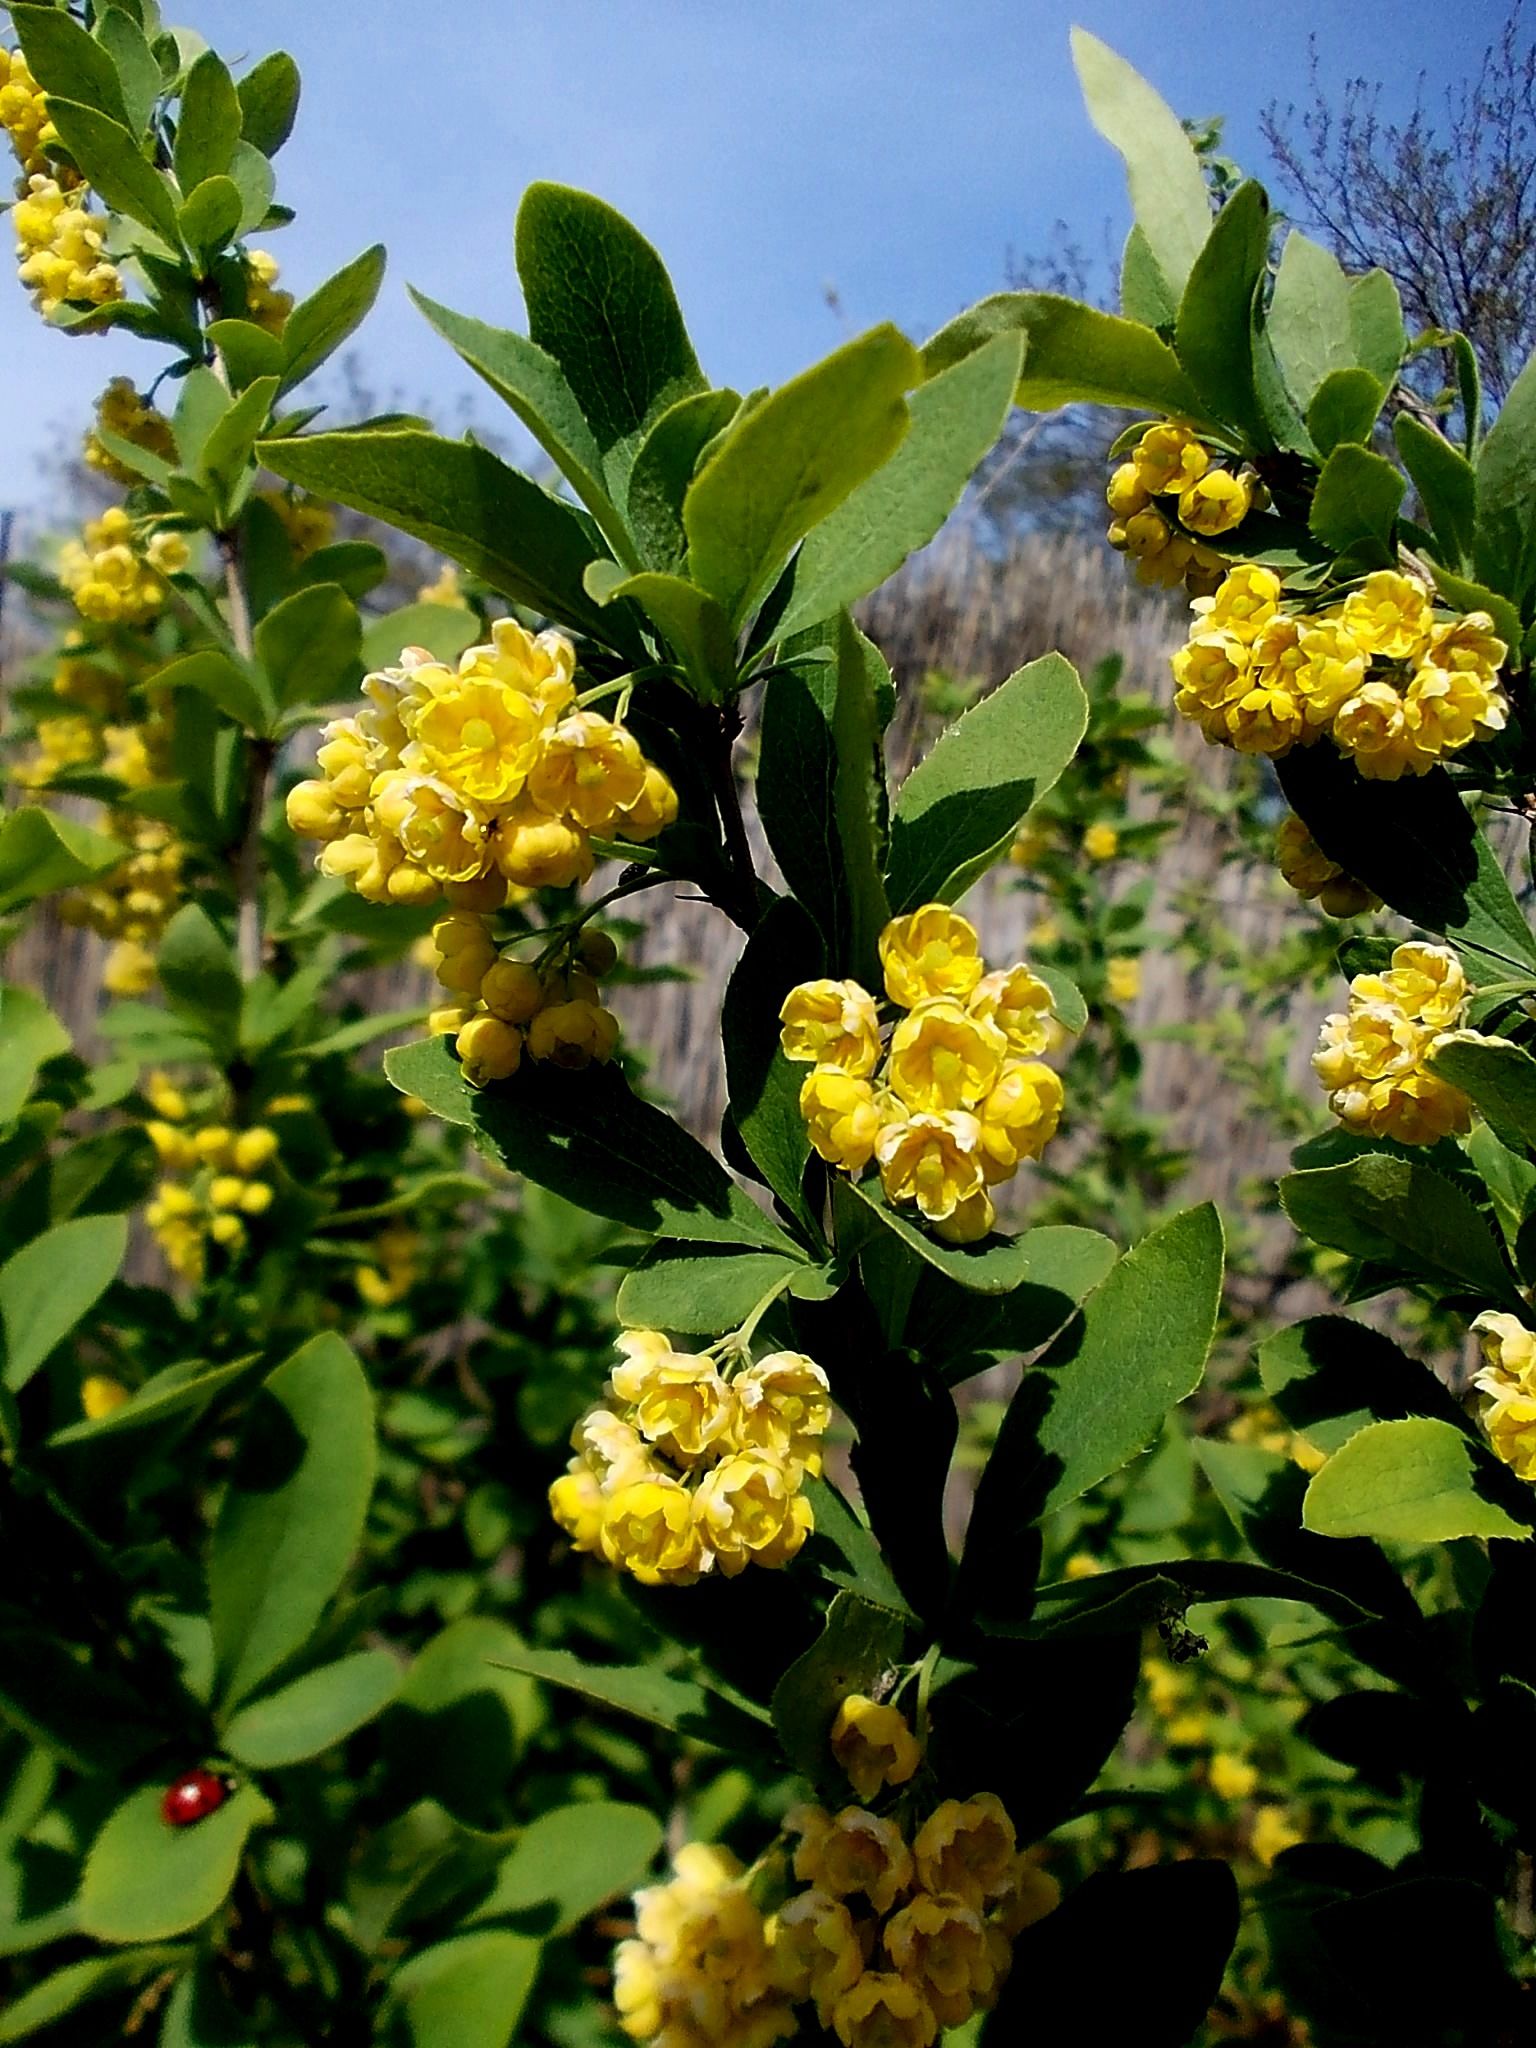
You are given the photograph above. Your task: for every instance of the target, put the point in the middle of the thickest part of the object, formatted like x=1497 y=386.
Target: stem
x=262 y=754
x=738 y=848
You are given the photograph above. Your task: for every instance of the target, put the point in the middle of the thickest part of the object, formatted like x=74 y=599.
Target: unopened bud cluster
x=954 y=1098
x=116 y=574
x=1307 y=869
x=216 y=1181
x=887 y=1926
x=468 y=780
x=128 y=416
x=60 y=247
x=133 y=903
x=1374 y=1058
x=1397 y=685
x=1167 y=501
x=508 y=1007
x=694 y=1462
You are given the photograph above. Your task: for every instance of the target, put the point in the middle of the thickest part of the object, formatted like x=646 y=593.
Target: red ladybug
x=193 y=1797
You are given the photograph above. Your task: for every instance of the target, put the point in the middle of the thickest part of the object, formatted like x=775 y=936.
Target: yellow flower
x=883 y=2011
x=1247 y=599
x=749 y=1511
x=444 y=587
x=537 y=851
x=573 y=1034
x=651 y=812
x=782 y=1408
x=1122 y=977
x=930 y=952
x=313 y=812
x=1508 y=1351
x=831 y=1024
x=1189 y=1731
x=1101 y=842
x=1507 y=1381
x=478 y=735
x=1019 y=1117
x=873 y=1745
x=437 y=830
x=1426 y=983
x=1215 y=503
x=970 y=1221
x=682 y=1406
x=1212 y=672
x=488 y=1050
x=1231 y=1777
x=101 y=1395
x=511 y=990
x=1390 y=615
x=649 y=1530
x=1510 y=1421
x=1269 y=718
x=1329 y=670
x=1143 y=536
x=588 y=769
x=944 y=1057
x=1273 y=1832
x=1450 y=707
x=815 y=1950
x=577 y=1505
x=348 y=760
x=1126 y=494
x=700 y=1971
x=851 y=1853
x=1032 y=1893
x=966 y=1848
x=1373 y=726
x=1168 y=457
x=933 y=1160
x=841 y=1117
x=265 y=306
x=1468 y=643
x=1309 y=871
x=942 y=1947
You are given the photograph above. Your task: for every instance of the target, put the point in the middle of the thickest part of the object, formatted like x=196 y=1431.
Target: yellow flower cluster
x=465 y=780
x=60 y=744
x=395 y=1269
x=1506 y=1379
x=59 y=248
x=215 y=1182
x=24 y=117
x=444 y=587
x=1396 y=687
x=1167 y=542
x=1307 y=869
x=690 y=1467
x=308 y=522
x=1374 y=1058
x=265 y=305
x=79 y=680
x=133 y=903
x=895 y=1937
x=960 y=1101
x=509 y=1006
x=123 y=412
x=1262 y=1425
x=698 y=1972
x=115 y=578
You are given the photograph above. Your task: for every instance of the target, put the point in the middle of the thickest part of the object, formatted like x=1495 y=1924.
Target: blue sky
x=892 y=151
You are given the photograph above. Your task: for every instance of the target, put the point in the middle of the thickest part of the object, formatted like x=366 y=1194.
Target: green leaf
x=1416 y=844
x=308 y=1716
x=1072 y=354
x=763 y=1086
x=1357 y=500
x=957 y=416
x=1214 y=335
x=79 y=1983
x=995 y=1266
x=1308 y=318
x=649 y=1694
x=52 y=1284
x=1504 y=550
x=269 y=102
x=665 y=465
x=292 y=1513
x=1466 y=596
x=1134 y=1350
x=202 y=403
x=30 y=1035
x=601 y=304
x=1329 y=1377
x=309 y=645
x=785 y=465
x=209 y=123
x=1446 y=483
x=65 y=60
x=1500 y=1078
x=688 y=620
x=41 y=852
x=1344 y=407
x=971 y=1332
x=696 y=1290
x=199 y=2014
x=1382 y=1207
x=208 y=219
x=468 y=1991
x=820 y=790
x=145 y=1881
x=1376 y=324
x=589 y=1137
x=1139 y=1595
x=221 y=679
x=1168 y=195
x=529 y=380
x=445 y=630
x=138 y=70
x=1414 y=1481
x=466 y=504
x=110 y=161
x=198 y=970
x=858 y=1650
x=257 y=183
x=462 y=1718
x=231 y=441
x=179 y=1391
x=569 y=1861
x=960 y=807
x=1145 y=294
x=318 y=325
